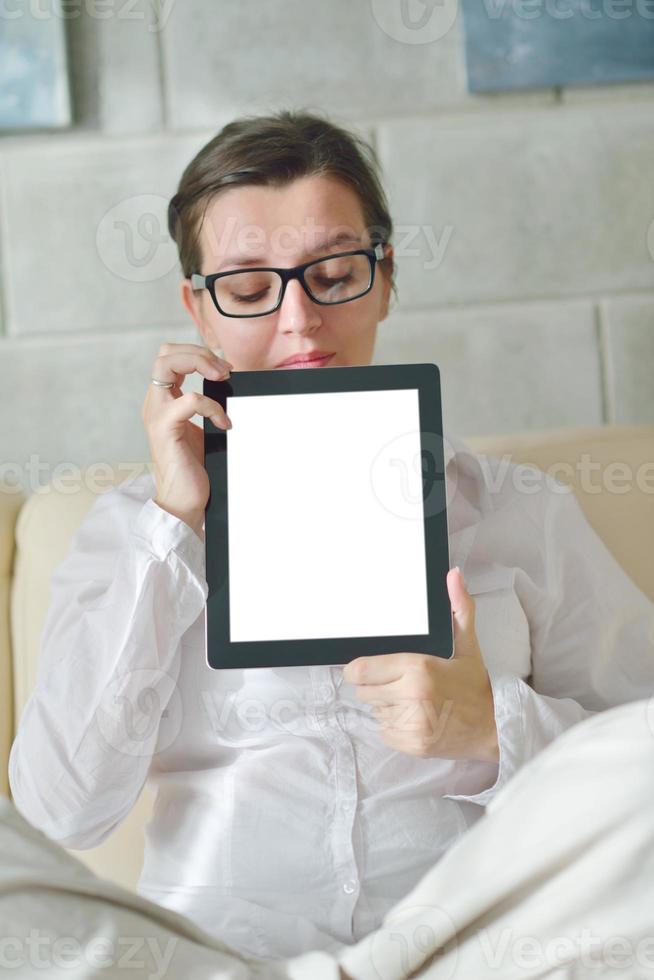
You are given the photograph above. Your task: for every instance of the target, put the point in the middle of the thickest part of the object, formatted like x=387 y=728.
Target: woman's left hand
x=429 y=706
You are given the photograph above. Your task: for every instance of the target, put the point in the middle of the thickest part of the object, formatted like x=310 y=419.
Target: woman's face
x=283 y=227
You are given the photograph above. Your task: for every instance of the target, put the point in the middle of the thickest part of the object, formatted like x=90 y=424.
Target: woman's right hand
x=176 y=443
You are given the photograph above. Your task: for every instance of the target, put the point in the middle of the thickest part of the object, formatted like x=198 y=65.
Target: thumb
x=463 y=609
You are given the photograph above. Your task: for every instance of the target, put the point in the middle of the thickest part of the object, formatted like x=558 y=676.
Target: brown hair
x=274 y=150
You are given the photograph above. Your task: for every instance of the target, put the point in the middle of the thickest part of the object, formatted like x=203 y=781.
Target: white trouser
x=556 y=880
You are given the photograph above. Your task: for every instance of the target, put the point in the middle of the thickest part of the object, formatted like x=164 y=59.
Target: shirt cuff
x=163 y=532
x=510 y=736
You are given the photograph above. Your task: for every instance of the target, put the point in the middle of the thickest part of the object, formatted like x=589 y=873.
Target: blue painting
x=34 y=89
x=518 y=44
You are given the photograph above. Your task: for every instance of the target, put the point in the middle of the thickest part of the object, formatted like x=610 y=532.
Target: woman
x=295 y=805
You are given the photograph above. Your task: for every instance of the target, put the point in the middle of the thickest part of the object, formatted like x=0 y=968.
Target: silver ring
x=163 y=384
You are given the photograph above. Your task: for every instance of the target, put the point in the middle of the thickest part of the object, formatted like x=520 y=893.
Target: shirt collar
x=464 y=469
x=452 y=446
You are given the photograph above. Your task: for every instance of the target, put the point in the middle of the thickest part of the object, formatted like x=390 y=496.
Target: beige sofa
x=612 y=469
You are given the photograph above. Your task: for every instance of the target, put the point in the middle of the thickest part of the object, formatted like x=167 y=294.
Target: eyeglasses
x=330 y=280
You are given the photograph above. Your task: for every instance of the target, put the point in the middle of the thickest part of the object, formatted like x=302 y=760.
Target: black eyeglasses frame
x=375 y=254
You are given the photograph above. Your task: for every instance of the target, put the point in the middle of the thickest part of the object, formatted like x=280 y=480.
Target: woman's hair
x=274 y=150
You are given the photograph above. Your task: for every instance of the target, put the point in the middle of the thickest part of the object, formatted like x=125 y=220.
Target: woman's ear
x=193 y=300
x=387 y=276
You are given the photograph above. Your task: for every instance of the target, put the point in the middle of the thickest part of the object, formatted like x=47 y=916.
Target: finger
x=192 y=403
x=456 y=588
x=463 y=610
x=175 y=367
x=391 y=693
x=381 y=668
x=193 y=349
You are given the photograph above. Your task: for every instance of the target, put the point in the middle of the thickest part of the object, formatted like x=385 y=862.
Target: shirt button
x=350 y=886
x=325 y=692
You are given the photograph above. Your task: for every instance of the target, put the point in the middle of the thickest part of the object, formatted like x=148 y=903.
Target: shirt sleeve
x=130 y=585
x=591 y=634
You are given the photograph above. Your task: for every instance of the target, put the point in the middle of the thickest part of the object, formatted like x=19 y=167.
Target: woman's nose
x=298 y=311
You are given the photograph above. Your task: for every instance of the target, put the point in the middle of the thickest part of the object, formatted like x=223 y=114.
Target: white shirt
x=282 y=822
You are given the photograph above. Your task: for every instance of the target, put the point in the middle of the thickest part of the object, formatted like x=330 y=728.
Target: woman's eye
x=326 y=281
x=251 y=298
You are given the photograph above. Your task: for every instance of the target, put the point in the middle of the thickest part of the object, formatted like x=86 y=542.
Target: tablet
x=326 y=531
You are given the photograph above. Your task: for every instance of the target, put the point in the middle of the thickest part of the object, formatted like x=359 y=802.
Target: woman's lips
x=315 y=363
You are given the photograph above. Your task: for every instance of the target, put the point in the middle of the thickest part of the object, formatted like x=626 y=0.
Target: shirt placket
x=345 y=865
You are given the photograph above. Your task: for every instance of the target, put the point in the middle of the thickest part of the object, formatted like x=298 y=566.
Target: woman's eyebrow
x=342 y=239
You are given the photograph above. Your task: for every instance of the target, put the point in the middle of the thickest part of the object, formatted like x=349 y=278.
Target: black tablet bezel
x=223 y=653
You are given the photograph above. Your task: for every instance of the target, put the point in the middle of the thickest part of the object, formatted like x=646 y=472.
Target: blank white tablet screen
x=326 y=532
